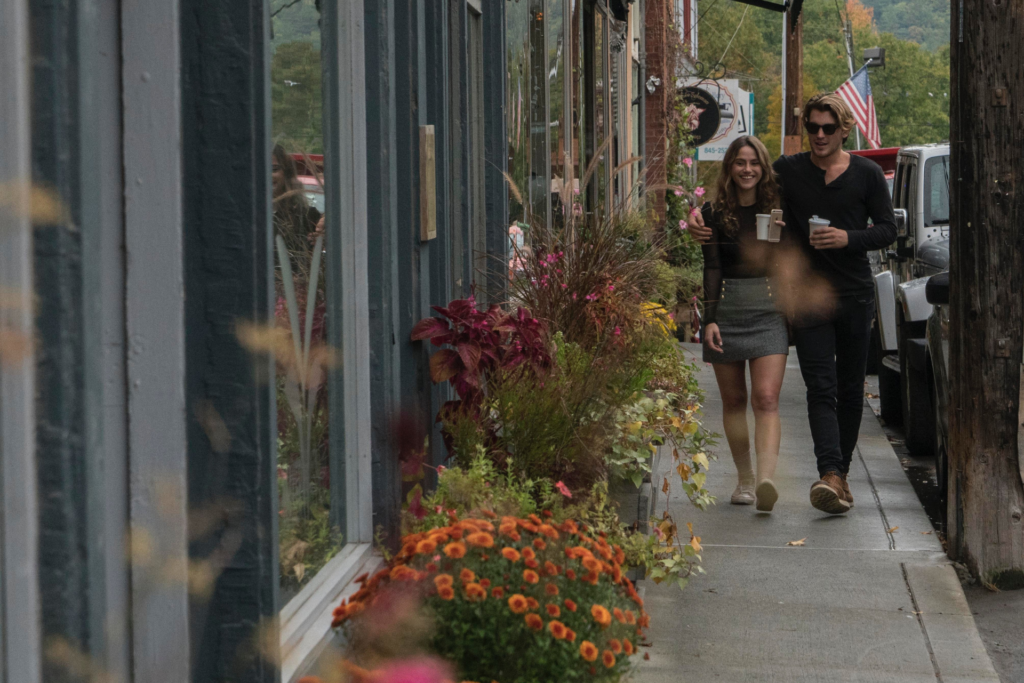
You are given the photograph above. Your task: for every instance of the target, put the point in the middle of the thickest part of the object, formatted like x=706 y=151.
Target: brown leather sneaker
x=846 y=488
x=828 y=496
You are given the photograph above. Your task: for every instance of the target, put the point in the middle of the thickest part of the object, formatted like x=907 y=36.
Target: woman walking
x=741 y=321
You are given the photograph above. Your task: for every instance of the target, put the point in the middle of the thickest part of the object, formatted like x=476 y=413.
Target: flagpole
x=848 y=40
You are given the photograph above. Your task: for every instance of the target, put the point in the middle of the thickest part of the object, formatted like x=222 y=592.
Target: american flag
x=857 y=93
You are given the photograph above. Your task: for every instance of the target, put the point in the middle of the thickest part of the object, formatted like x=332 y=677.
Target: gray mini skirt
x=749 y=321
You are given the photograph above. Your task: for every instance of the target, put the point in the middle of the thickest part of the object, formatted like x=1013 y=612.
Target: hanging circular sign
x=701 y=114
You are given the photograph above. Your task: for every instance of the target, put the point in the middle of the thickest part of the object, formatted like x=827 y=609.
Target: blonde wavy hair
x=726 y=202
x=833 y=104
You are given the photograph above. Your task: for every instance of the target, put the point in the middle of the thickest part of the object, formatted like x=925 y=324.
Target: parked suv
x=921 y=203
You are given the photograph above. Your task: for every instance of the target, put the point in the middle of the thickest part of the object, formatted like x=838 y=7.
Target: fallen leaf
x=796 y=543
x=300 y=571
x=892 y=530
x=664 y=486
x=925 y=533
x=917 y=612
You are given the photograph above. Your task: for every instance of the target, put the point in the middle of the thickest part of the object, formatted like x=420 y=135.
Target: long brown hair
x=726 y=202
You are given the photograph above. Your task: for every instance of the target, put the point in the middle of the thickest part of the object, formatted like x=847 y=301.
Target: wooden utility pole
x=986 y=496
x=793 y=98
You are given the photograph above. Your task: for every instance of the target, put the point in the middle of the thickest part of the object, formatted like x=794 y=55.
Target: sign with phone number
x=737 y=107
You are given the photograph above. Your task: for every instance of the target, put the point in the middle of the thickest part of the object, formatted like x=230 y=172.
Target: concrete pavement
x=869 y=597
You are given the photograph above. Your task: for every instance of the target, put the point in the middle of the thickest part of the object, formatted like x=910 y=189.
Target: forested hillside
x=922 y=21
x=911 y=92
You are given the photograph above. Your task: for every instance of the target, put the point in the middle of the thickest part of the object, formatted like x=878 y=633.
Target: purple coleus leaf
x=428 y=328
x=444 y=365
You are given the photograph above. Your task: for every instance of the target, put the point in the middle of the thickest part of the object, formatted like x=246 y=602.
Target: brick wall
x=657 y=20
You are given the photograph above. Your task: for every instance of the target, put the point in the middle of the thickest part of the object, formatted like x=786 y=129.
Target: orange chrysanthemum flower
x=486 y=583
x=530 y=576
x=550 y=568
x=601 y=615
x=403 y=573
x=474 y=591
x=570 y=605
x=570 y=574
x=616 y=573
x=558 y=629
x=518 y=604
x=549 y=531
x=539 y=544
x=615 y=645
x=588 y=651
x=570 y=635
x=620 y=556
x=551 y=589
x=569 y=526
x=446 y=592
x=507 y=529
x=627 y=646
x=592 y=563
x=534 y=621
x=532 y=603
x=532 y=564
x=443 y=580
x=619 y=616
x=608 y=659
x=529 y=554
x=630 y=617
x=644 y=621
x=481 y=540
x=425 y=547
x=455 y=533
x=534 y=518
x=510 y=554
x=488 y=514
x=430 y=568
x=553 y=610
x=498 y=593
x=455 y=550
x=466 y=575
x=592 y=578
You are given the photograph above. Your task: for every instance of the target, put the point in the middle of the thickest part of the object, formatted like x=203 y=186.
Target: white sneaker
x=767 y=495
x=743 y=495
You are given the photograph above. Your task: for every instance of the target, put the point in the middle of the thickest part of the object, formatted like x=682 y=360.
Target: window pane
x=556 y=103
x=517 y=41
x=936 y=194
x=539 y=159
x=306 y=534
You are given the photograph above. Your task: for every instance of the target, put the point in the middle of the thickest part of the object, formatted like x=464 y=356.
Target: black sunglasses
x=829 y=128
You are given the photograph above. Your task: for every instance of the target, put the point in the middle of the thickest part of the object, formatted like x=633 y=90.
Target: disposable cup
x=774 y=229
x=763 y=220
x=817 y=224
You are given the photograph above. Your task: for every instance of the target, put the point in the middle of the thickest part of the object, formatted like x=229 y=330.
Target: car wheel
x=941 y=455
x=888 y=386
x=918 y=414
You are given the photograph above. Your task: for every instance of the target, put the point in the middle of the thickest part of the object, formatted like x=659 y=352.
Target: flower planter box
x=636 y=504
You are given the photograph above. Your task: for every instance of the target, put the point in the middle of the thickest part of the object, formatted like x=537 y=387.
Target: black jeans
x=833 y=354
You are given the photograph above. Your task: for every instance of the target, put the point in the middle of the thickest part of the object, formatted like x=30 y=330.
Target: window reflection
x=307 y=539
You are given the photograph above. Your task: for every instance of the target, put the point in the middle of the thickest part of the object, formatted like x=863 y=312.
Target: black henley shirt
x=858 y=194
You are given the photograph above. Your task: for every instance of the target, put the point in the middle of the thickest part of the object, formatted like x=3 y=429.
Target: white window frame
x=305 y=621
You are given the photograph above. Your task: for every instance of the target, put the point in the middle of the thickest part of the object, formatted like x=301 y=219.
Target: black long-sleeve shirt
x=731 y=256
x=858 y=194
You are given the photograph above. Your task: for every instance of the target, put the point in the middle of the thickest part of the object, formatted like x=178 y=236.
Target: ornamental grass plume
x=492 y=620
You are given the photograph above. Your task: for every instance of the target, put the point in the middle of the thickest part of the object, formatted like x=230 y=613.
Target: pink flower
x=688 y=161
x=575 y=190
x=611 y=288
x=574 y=296
x=699 y=192
x=694 y=211
x=563 y=489
x=682 y=224
x=617 y=331
x=678 y=192
x=565 y=286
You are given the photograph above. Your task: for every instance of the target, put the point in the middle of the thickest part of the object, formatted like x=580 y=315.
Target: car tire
x=888 y=385
x=918 y=414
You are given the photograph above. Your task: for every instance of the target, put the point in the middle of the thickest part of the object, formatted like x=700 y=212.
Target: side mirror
x=901 y=222
x=936 y=291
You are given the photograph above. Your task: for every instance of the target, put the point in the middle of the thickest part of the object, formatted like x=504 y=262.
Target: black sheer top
x=732 y=256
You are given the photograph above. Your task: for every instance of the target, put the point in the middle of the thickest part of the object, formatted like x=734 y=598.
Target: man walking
x=832 y=345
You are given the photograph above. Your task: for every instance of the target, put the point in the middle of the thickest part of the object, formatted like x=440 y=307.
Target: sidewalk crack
x=878 y=501
x=920 y=623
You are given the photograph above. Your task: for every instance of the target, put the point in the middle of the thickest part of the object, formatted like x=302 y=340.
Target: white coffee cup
x=763 y=222
x=817 y=224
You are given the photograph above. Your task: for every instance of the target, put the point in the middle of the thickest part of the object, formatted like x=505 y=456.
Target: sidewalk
x=870 y=597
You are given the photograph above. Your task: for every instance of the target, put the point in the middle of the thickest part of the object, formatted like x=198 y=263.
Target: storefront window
x=308 y=535
x=517 y=42
x=556 y=103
